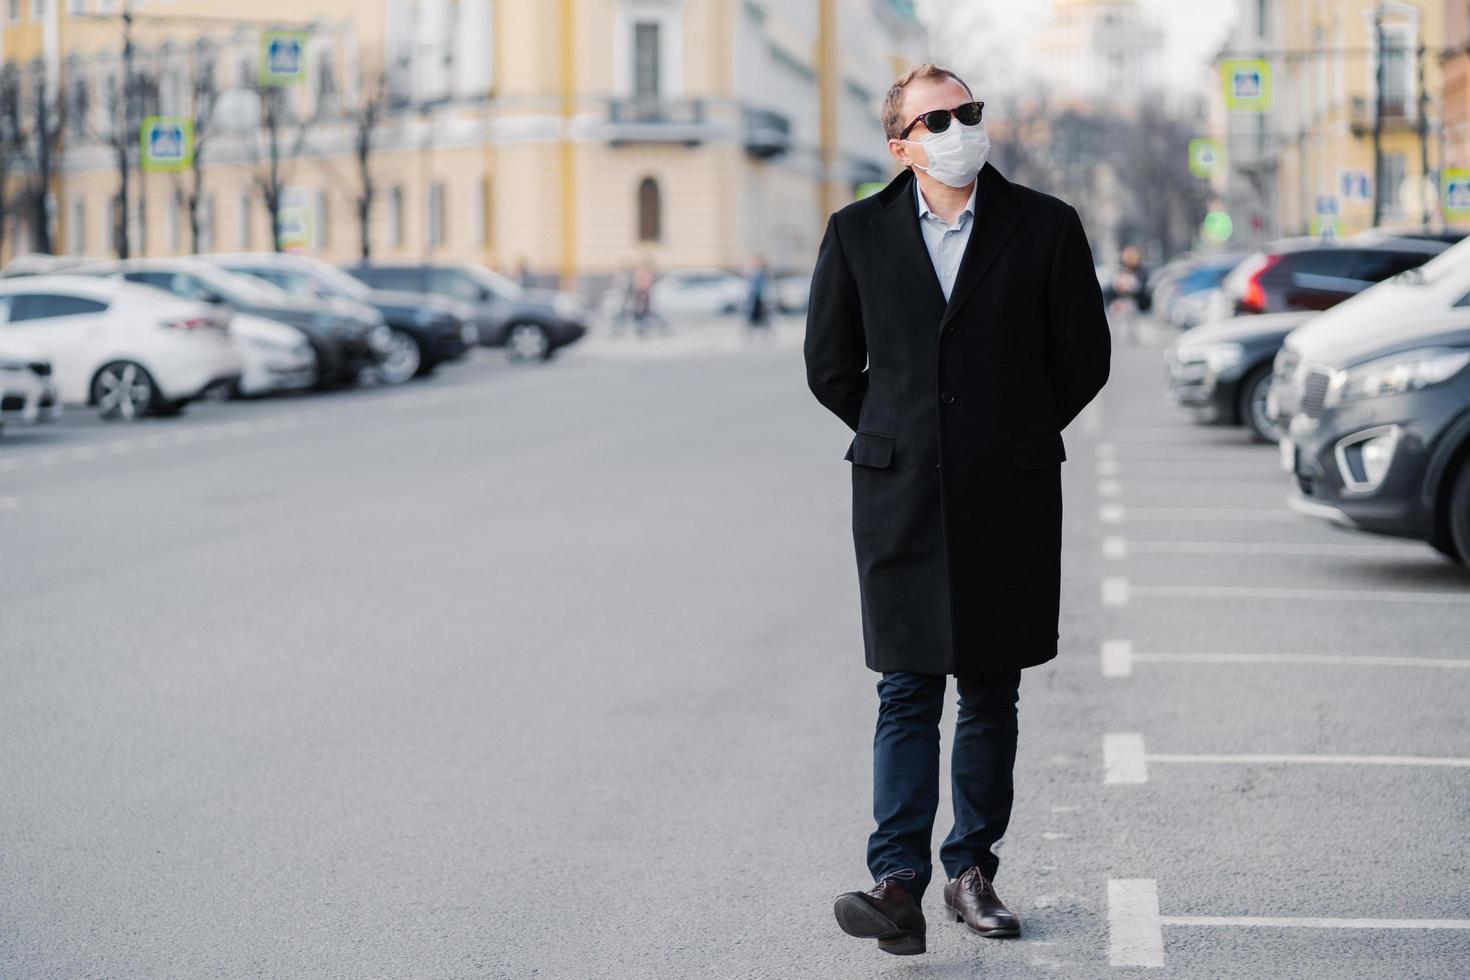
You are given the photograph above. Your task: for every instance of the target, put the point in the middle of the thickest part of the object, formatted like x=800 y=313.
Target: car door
x=68 y=328
x=1321 y=278
x=492 y=311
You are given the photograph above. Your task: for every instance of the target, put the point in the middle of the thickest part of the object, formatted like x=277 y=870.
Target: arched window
x=650 y=211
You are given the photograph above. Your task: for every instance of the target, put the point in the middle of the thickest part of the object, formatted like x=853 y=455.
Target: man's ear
x=900 y=152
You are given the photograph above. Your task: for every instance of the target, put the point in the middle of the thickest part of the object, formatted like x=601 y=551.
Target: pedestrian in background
x=1127 y=295
x=757 y=309
x=956 y=327
x=640 y=292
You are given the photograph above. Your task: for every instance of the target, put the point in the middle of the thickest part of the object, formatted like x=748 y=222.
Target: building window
x=1390 y=180
x=76 y=231
x=12 y=11
x=434 y=214
x=646 y=60
x=242 y=221
x=395 y=217
x=1398 y=68
x=38 y=9
x=650 y=211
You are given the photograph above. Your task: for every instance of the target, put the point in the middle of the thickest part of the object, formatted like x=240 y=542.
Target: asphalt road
x=557 y=672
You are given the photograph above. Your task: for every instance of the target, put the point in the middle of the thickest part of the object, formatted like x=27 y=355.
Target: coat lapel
x=996 y=218
x=897 y=228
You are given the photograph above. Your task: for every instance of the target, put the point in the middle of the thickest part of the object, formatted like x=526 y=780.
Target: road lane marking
x=1109 y=488
x=1124 y=760
x=1107 y=467
x=1325 y=595
x=1115 y=591
x=1275 y=548
x=1111 y=513
x=1272 y=514
x=1117 y=658
x=1294 y=659
x=1135 y=929
x=1106 y=450
x=1115 y=547
x=1293 y=922
x=9 y=503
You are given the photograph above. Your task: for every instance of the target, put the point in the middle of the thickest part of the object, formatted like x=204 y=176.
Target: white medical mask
x=957 y=154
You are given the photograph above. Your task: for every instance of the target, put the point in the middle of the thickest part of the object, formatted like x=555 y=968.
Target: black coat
x=957 y=412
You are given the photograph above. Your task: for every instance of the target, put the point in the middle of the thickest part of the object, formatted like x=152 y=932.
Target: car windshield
x=1447 y=263
x=241 y=289
x=494 y=281
x=333 y=280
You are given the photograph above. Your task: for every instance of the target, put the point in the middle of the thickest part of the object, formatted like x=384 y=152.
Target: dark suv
x=529 y=323
x=1309 y=274
x=1381 y=438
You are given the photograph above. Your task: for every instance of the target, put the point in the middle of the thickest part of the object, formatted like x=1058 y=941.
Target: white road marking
x=1271 y=514
x=1106 y=450
x=1111 y=513
x=1124 y=761
x=1054 y=835
x=1115 y=591
x=1312 y=760
x=1293 y=922
x=1107 y=467
x=1326 y=595
x=1303 y=659
x=1117 y=658
x=1275 y=548
x=1115 y=547
x=1109 y=488
x=1135 y=929
x=9 y=503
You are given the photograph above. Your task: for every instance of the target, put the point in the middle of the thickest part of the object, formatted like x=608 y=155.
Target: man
x=956 y=325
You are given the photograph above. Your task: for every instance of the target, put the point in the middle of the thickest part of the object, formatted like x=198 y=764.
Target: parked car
x=1186 y=298
x=28 y=392
x=122 y=347
x=277 y=356
x=1381 y=440
x=1309 y=274
x=1439 y=286
x=1221 y=372
x=698 y=293
x=793 y=292
x=427 y=330
x=345 y=342
x=530 y=323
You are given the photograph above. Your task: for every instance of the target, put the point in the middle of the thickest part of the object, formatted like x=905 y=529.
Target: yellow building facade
x=576 y=136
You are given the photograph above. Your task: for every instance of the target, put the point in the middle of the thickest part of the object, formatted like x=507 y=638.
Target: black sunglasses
x=937 y=120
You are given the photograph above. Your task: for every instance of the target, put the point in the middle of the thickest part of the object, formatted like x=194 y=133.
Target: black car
x=530 y=323
x=427 y=330
x=1221 y=372
x=345 y=340
x=1309 y=274
x=1381 y=438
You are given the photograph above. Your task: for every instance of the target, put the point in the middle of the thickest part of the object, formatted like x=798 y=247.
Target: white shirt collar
x=924 y=205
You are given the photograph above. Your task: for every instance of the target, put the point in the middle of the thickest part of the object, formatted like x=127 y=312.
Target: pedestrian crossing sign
x=166 y=143
x=282 y=58
x=1247 y=84
x=1455 y=188
x=1205 y=157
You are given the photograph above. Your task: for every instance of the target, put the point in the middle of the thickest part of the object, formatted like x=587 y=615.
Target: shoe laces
x=902 y=874
x=975 y=882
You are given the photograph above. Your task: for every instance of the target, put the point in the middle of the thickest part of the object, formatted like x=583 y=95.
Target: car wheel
x=1253 y=406
x=528 y=342
x=124 y=390
x=1460 y=514
x=401 y=361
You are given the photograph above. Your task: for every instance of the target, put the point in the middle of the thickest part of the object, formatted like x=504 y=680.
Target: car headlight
x=1216 y=357
x=1396 y=374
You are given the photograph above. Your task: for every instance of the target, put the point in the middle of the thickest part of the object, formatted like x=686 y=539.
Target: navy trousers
x=906 y=774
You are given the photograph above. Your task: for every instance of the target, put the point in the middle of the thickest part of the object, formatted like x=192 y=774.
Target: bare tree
x=367 y=118
x=35 y=117
x=189 y=190
x=1168 y=202
x=10 y=147
x=276 y=148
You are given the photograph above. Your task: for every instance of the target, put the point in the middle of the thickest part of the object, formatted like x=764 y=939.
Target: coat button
x=947 y=397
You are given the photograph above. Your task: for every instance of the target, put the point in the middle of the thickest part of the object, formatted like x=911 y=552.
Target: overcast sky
x=1196 y=28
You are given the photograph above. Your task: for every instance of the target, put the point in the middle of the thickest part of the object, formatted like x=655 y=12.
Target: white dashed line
x=1294 y=595
x=1107 y=467
x=1117 y=658
x=9 y=503
x=1135 y=930
x=1115 y=592
x=1109 y=488
x=1115 y=547
x=1106 y=450
x=1293 y=922
x=1275 y=548
x=1124 y=762
x=1269 y=514
x=1292 y=659
x=1111 y=513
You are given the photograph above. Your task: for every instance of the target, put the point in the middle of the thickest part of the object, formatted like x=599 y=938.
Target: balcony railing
x=767 y=133
x=640 y=119
x=1398 y=115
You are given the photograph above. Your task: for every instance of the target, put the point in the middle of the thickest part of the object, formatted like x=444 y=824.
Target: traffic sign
x=1205 y=157
x=1456 y=192
x=282 y=57
x=1247 y=84
x=1354 y=185
x=1326 y=206
x=166 y=143
x=293 y=228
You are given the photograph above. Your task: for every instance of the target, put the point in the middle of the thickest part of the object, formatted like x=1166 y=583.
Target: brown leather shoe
x=971 y=899
x=886 y=912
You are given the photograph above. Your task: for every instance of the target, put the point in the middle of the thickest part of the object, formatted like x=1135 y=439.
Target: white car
x=129 y=350
x=1437 y=287
x=698 y=293
x=277 y=356
x=27 y=385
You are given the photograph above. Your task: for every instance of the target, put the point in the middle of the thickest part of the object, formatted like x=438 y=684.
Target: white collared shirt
x=945 y=242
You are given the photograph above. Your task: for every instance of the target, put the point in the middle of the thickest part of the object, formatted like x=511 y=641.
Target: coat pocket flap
x=870 y=449
x=1038 y=451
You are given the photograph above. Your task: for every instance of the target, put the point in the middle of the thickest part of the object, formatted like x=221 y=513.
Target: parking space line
x=1117 y=658
x=1293 y=922
x=9 y=503
x=1269 y=514
x=1109 y=488
x=1135 y=929
x=1123 y=665
x=1115 y=547
x=1126 y=760
x=1106 y=450
x=1107 y=467
x=1111 y=513
x=1406 y=550
x=1325 y=595
x=1115 y=591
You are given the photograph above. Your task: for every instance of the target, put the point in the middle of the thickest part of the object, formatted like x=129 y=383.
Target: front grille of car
x=1314 y=394
x=12 y=403
x=40 y=369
